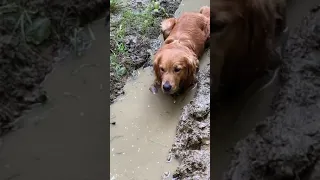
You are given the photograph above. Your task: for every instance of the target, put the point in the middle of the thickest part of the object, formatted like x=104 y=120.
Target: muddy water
x=66 y=138
x=146 y=123
x=236 y=120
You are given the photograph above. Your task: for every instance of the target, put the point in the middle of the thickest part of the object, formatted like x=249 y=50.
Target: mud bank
x=31 y=33
x=132 y=45
x=286 y=145
x=192 y=141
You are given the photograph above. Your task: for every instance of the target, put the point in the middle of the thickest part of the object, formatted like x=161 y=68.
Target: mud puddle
x=145 y=124
x=235 y=121
x=66 y=138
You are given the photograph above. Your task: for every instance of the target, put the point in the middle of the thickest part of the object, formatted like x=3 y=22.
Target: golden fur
x=177 y=61
x=243 y=34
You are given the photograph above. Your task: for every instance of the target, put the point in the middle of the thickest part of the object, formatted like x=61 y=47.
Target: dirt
x=192 y=141
x=139 y=44
x=27 y=48
x=286 y=144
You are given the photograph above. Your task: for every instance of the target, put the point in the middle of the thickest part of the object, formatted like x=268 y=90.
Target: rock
x=39 y=31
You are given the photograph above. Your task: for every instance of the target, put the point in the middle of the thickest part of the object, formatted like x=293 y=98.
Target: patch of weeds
x=119 y=69
x=115 y=6
x=131 y=22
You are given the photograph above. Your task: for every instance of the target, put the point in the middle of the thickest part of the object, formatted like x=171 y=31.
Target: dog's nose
x=167 y=87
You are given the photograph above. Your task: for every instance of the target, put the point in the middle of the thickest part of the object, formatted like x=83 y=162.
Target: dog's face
x=237 y=26
x=174 y=69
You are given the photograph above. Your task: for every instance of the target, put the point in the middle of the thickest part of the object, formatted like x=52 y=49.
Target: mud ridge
x=287 y=144
x=192 y=139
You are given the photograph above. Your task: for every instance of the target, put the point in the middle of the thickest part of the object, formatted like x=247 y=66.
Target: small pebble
x=169 y=158
x=113 y=123
x=132 y=145
x=166 y=174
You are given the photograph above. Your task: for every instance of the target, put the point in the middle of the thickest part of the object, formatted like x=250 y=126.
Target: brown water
x=65 y=139
x=146 y=123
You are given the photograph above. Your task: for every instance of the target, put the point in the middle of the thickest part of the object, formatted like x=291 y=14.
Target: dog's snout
x=167 y=87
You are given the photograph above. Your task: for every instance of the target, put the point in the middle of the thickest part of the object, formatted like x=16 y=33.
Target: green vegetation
x=129 y=21
x=33 y=26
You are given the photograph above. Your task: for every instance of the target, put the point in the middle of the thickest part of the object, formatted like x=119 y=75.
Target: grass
x=115 y=6
x=130 y=21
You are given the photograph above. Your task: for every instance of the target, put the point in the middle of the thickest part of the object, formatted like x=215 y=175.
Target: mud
x=192 y=141
x=139 y=44
x=65 y=138
x=286 y=144
x=26 y=49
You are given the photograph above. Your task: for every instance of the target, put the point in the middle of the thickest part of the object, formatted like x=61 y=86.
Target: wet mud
x=26 y=49
x=286 y=144
x=192 y=141
x=65 y=138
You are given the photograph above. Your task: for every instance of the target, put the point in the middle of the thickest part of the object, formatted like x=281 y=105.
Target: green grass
x=115 y=6
x=130 y=21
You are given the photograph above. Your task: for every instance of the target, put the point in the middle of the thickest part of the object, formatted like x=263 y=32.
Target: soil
x=26 y=51
x=139 y=45
x=192 y=139
x=286 y=144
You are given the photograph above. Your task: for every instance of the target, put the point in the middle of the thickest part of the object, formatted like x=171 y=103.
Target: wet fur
x=243 y=34
x=185 y=39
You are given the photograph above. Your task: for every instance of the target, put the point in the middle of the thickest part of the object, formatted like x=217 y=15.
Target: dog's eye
x=177 y=69
x=217 y=26
x=161 y=69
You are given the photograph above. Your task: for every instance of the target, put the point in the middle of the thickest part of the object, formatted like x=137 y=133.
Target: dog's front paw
x=154 y=89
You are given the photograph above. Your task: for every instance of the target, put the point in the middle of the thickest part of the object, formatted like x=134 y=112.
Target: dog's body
x=242 y=38
x=177 y=61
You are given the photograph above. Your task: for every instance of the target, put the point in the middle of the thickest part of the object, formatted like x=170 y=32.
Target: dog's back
x=190 y=29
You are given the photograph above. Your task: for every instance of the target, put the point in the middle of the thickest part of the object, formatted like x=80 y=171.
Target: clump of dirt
x=30 y=32
x=135 y=28
x=192 y=139
x=286 y=145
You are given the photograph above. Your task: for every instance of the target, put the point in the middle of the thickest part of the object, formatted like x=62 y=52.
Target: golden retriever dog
x=243 y=35
x=177 y=61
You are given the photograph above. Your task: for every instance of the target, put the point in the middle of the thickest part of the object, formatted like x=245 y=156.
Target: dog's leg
x=154 y=87
x=166 y=27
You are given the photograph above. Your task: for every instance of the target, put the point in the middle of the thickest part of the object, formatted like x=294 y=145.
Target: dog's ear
x=156 y=68
x=192 y=63
x=166 y=26
x=262 y=16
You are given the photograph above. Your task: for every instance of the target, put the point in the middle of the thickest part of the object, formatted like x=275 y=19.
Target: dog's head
x=244 y=26
x=175 y=68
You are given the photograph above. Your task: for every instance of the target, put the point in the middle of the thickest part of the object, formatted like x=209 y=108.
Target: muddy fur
x=287 y=144
x=193 y=134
